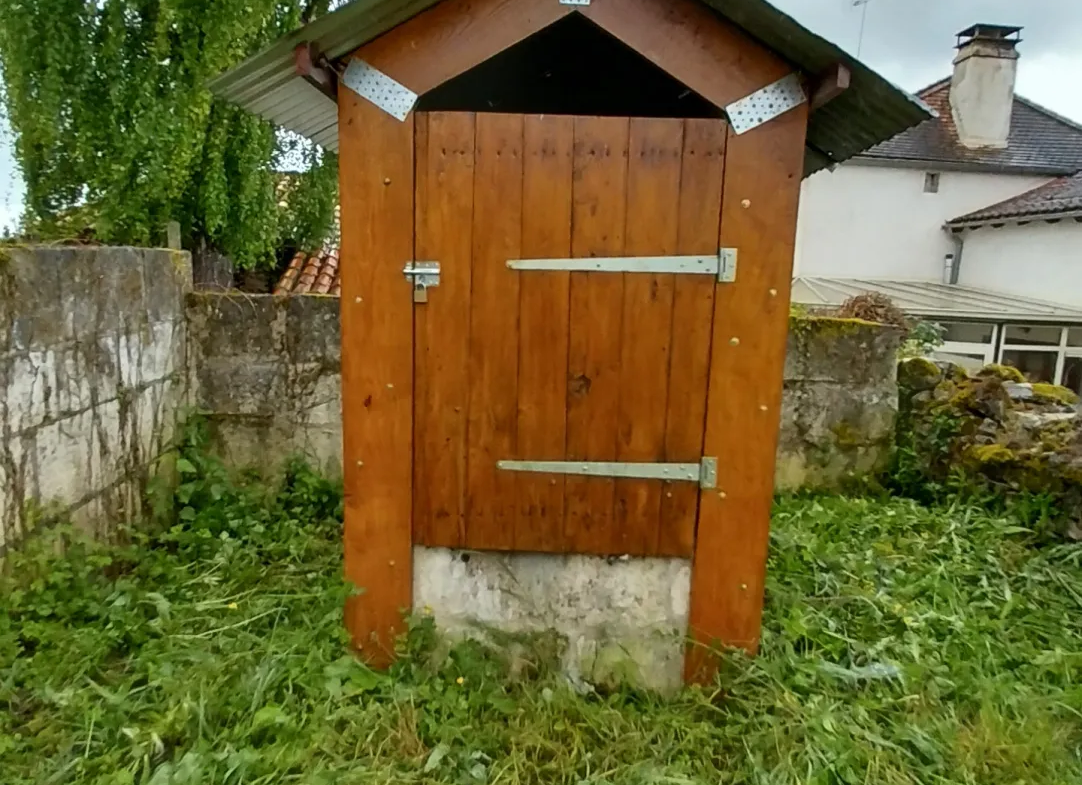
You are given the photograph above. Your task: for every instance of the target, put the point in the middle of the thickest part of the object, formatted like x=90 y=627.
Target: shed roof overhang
x=853 y=110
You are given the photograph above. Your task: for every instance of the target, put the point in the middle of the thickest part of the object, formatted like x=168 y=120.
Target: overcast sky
x=908 y=41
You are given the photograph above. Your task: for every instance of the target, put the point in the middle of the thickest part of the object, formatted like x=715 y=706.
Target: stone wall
x=91 y=368
x=840 y=402
x=267 y=371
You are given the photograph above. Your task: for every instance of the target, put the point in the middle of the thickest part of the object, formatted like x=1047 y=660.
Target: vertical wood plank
x=543 y=298
x=653 y=197
x=703 y=167
x=444 y=234
x=597 y=229
x=759 y=209
x=376 y=185
x=493 y=358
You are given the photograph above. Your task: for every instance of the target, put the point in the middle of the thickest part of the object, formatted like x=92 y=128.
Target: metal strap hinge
x=722 y=265
x=422 y=275
x=705 y=472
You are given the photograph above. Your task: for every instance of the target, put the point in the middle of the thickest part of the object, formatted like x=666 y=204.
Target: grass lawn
x=901 y=645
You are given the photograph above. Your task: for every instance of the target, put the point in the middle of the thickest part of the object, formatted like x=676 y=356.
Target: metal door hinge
x=722 y=264
x=705 y=472
x=422 y=275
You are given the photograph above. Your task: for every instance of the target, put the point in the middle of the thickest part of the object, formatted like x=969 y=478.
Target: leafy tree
x=117 y=134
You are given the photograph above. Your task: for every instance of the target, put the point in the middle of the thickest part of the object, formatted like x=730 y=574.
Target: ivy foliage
x=117 y=134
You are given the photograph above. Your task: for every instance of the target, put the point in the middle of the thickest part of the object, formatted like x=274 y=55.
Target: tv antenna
x=863 y=6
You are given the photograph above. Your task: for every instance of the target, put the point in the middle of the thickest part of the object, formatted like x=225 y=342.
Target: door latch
x=422 y=275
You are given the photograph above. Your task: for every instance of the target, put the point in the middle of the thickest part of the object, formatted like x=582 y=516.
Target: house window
x=1038 y=351
x=970 y=344
x=931 y=182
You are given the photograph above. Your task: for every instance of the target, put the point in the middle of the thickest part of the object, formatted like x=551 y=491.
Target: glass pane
x=1033 y=336
x=968 y=332
x=1072 y=374
x=1035 y=366
x=1074 y=336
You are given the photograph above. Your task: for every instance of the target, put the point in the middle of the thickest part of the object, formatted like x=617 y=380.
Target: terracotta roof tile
x=1040 y=140
x=311 y=273
x=1057 y=198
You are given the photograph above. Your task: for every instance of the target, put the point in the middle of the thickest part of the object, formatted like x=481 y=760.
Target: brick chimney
x=982 y=88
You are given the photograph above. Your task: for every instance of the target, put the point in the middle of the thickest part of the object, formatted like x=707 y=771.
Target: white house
x=973 y=219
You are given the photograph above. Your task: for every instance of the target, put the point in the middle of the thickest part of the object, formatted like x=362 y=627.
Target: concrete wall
x=862 y=221
x=91 y=368
x=1040 y=259
x=266 y=371
x=839 y=405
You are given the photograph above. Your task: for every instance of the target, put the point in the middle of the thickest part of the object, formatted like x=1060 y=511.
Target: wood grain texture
x=543 y=334
x=454 y=36
x=597 y=229
x=376 y=185
x=689 y=41
x=759 y=209
x=653 y=198
x=445 y=167
x=703 y=168
x=493 y=356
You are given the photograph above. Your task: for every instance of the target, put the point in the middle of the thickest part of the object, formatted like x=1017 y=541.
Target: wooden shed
x=567 y=245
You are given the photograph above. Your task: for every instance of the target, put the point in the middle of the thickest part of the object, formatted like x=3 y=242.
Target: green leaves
x=116 y=133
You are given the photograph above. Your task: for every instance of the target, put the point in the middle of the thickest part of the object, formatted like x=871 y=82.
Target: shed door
x=558 y=365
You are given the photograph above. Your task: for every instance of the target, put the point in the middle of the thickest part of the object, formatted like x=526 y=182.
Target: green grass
x=901 y=645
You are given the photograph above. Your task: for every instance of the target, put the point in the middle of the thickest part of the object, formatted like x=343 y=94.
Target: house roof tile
x=1040 y=141
x=1058 y=198
x=312 y=273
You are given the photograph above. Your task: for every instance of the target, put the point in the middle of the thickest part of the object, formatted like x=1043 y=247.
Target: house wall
x=1040 y=259
x=862 y=221
x=91 y=377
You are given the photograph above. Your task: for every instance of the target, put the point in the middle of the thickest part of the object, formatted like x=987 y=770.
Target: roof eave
x=869 y=112
x=1031 y=217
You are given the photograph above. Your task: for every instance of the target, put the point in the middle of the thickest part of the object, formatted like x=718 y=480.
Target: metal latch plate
x=422 y=275
x=705 y=473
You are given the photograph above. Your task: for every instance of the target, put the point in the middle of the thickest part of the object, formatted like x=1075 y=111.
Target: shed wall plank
x=703 y=167
x=759 y=208
x=597 y=229
x=653 y=198
x=445 y=168
x=376 y=171
x=493 y=358
x=544 y=311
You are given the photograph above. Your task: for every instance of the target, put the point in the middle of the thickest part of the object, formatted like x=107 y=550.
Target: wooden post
x=751 y=322
x=376 y=185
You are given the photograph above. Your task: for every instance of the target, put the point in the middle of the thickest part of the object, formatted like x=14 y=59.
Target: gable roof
x=1040 y=142
x=870 y=111
x=1060 y=198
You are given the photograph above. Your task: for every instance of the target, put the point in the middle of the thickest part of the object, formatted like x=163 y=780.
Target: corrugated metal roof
x=935 y=300
x=870 y=111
